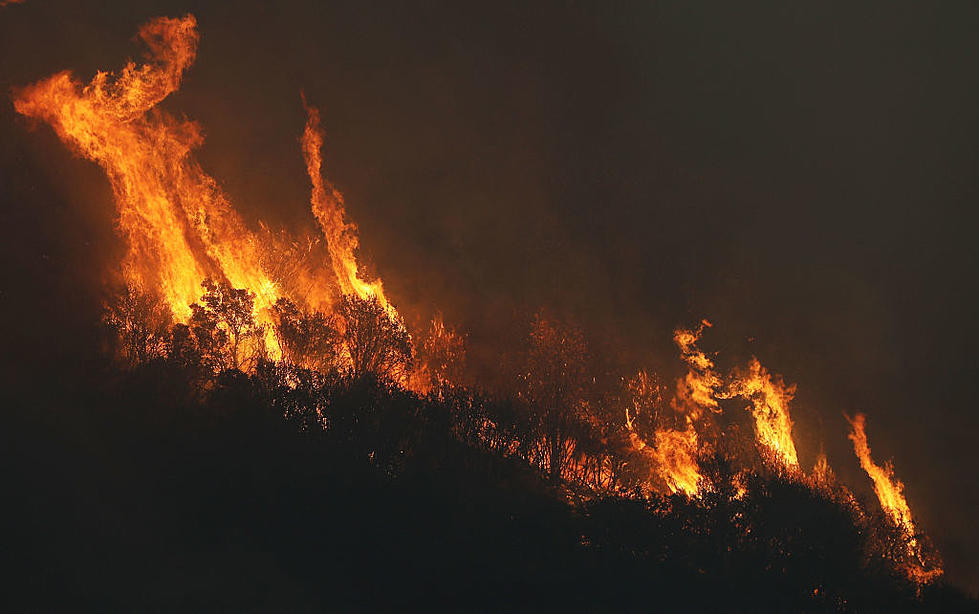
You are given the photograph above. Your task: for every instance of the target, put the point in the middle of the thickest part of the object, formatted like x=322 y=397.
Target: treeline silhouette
x=189 y=471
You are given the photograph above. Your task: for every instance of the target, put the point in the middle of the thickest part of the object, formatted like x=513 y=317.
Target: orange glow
x=888 y=488
x=821 y=471
x=673 y=455
x=702 y=388
x=441 y=354
x=890 y=493
x=327 y=204
x=697 y=389
x=179 y=225
x=676 y=453
x=180 y=228
x=770 y=399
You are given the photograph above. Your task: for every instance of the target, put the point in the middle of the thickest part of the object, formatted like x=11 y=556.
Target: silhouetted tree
x=308 y=339
x=440 y=357
x=223 y=323
x=375 y=338
x=182 y=347
x=554 y=387
x=434 y=493
x=139 y=322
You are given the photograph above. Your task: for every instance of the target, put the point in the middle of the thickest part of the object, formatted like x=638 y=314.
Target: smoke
x=670 y=168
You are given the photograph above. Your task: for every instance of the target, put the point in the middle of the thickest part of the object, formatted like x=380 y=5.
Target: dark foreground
x=133 y=492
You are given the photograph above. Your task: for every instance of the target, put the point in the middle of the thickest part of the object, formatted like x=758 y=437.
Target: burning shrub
x=376 y=339
x=139 y=324
x=223 y=323
x=308 y=339
x=553 y=383
x=441 y=359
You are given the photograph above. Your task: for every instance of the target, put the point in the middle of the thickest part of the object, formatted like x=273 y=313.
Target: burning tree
x=308 y=339
x=223 y=323
x=441 y=359
x=139 y=322
x=376 y=339
x=920 y=563
x=554 y=385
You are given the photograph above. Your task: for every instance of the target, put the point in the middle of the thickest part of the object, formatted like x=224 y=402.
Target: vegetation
x=376 y=339
x=204 y=476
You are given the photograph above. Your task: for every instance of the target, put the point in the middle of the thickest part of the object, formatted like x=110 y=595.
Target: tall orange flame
x=698 y=388
x=327 y=203
x=702 y=388
x=890 y=493
x=822 y=473
x=889 y=490
x=770 y=399
x=675 y=452
x=179 y=224
x=673 y=455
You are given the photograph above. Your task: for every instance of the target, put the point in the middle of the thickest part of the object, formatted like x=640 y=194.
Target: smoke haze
x=802 y=176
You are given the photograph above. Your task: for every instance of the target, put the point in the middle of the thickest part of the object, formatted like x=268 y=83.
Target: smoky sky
x=802 y=174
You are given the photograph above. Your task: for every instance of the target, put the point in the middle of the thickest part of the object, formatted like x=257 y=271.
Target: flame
x=697 y=389
x=701 y=388
x=327 y=204
x=675 y=452
x=890 y=493
x=822 y=473
x=441 y=354
x=180 y=227
x=770 y=399
x=888 y=488
x=674 y=457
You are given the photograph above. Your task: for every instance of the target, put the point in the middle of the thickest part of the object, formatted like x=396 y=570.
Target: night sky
x=802 y=174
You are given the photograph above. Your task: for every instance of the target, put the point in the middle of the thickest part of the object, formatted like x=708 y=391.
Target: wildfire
x=822 y=473
x=676 y=451
x=770 y=399
x=890 y=493
x=179 y=225
x=890 y=490
x=327 y=203
x=697 y=389
x=182 y=229
x=703 y=388
x=673 y=455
